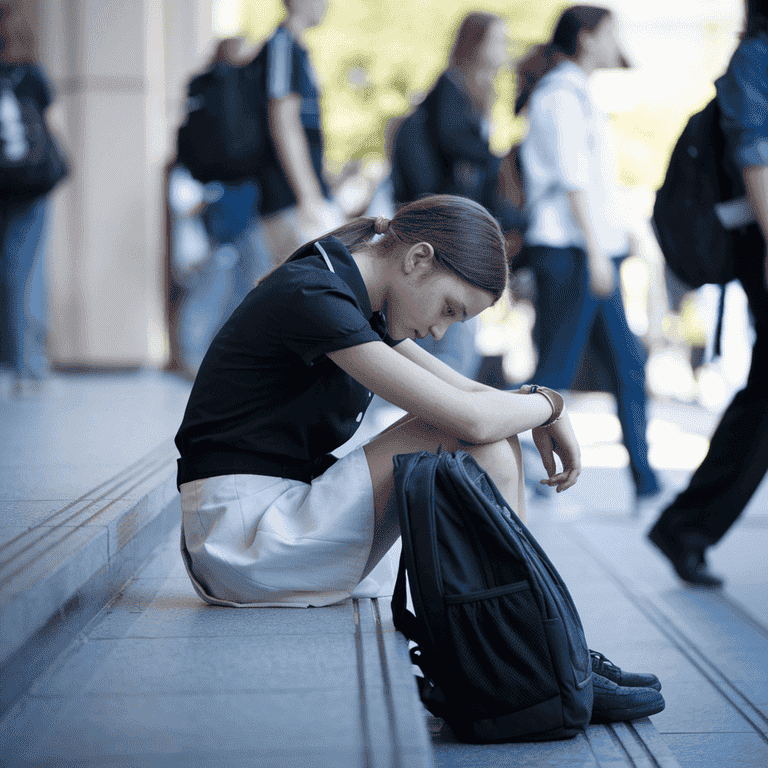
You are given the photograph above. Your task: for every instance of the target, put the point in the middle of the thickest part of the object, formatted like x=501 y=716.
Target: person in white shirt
x=577 y=235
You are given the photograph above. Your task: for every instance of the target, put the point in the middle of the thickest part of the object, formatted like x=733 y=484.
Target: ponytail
x=531 y=69
x=359 y=231
x=466 y=238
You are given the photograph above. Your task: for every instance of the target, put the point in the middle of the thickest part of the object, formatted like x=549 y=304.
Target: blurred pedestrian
x=296 y=202
x=237 y=254
x=737 y=459
x=30 y=166
x=577 y=233
x=444 y=148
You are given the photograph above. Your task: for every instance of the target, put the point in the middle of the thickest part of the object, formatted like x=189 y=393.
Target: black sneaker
x=616 y=703
x=606 y=668
x=689 y=561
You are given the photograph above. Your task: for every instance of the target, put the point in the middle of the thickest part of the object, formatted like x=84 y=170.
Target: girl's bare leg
x=502 y=460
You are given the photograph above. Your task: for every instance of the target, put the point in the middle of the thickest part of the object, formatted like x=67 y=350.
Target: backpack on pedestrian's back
x=498 y=639
x=225 y=128
x=31 y=163
x=701 y=215
x=698 y=248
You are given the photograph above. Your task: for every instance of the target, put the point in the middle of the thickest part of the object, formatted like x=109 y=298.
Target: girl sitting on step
x=270 y=516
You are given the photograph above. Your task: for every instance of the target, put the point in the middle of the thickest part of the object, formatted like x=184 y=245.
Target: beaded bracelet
x=555 y=400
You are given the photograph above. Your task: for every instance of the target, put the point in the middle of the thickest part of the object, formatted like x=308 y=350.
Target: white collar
x=573 y=73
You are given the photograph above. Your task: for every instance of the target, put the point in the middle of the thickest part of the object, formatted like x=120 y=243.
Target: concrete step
x=160 y=678
x=70 y=559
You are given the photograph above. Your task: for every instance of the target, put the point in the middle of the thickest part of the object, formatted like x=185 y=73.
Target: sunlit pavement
x=157 y=678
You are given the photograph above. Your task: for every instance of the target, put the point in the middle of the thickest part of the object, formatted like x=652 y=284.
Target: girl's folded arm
x=413 y=352
x=480 y=415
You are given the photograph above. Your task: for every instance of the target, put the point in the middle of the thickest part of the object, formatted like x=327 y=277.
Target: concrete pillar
x=114 y=64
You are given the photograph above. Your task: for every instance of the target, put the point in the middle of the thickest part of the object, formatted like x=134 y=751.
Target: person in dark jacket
x=443 y=147
x=737 y=459
x=238 y=256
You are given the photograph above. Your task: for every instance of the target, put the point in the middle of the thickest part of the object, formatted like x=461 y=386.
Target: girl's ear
x=420 y=259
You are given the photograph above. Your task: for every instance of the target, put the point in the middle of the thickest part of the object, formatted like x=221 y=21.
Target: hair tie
x=381 y=225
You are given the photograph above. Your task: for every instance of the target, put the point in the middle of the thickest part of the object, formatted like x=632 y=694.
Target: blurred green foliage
x=375 y=58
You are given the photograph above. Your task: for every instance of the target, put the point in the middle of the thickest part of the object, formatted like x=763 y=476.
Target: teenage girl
x=270 y=517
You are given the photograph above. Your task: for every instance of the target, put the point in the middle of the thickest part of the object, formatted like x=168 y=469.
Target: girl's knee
x=502 y=459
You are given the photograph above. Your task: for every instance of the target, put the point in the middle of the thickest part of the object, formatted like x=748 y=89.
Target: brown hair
x=469 y=37
x=564 y=44
x=17 y=43
x=467 y=240
x=756 y=21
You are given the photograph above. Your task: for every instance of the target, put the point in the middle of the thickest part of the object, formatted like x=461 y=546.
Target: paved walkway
x=157 y=678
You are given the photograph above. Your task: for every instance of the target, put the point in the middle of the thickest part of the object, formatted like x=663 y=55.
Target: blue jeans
x=238 y=259
x=566 y=314
x=23 y=301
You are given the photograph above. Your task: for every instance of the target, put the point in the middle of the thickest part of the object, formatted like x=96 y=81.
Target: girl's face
x=425 y=300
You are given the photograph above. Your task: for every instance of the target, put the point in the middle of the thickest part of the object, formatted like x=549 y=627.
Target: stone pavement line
x=667 y=624
x=386 y=677
x=80 y=512
x=364 y=731
x=394 y=726
x=643 y=744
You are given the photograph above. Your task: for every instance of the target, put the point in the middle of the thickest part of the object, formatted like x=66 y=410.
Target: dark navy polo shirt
x=288 y=69
x=267 y=400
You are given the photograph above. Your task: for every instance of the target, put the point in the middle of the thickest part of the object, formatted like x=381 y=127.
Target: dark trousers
x=737 y=459
x=567 y=314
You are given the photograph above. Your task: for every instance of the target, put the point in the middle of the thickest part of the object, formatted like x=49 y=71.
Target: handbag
x=31 y=162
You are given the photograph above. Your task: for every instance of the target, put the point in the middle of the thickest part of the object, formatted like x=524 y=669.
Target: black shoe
x=687 y=560
x=616 y=703
x=604 y=667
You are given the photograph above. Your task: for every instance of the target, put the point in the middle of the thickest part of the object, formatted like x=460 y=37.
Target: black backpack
x=31 y=163
x=696 y=246
x=225 y=129
x=498 y=638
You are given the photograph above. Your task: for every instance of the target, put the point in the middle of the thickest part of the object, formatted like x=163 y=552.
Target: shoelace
x=602 y=662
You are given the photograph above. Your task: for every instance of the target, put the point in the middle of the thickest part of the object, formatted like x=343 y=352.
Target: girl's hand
x=559 y=439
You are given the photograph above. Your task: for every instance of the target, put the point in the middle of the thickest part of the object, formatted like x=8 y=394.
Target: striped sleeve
x=279 y=64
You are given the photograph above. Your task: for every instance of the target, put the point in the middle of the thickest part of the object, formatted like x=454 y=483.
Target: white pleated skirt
x=260 y=541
